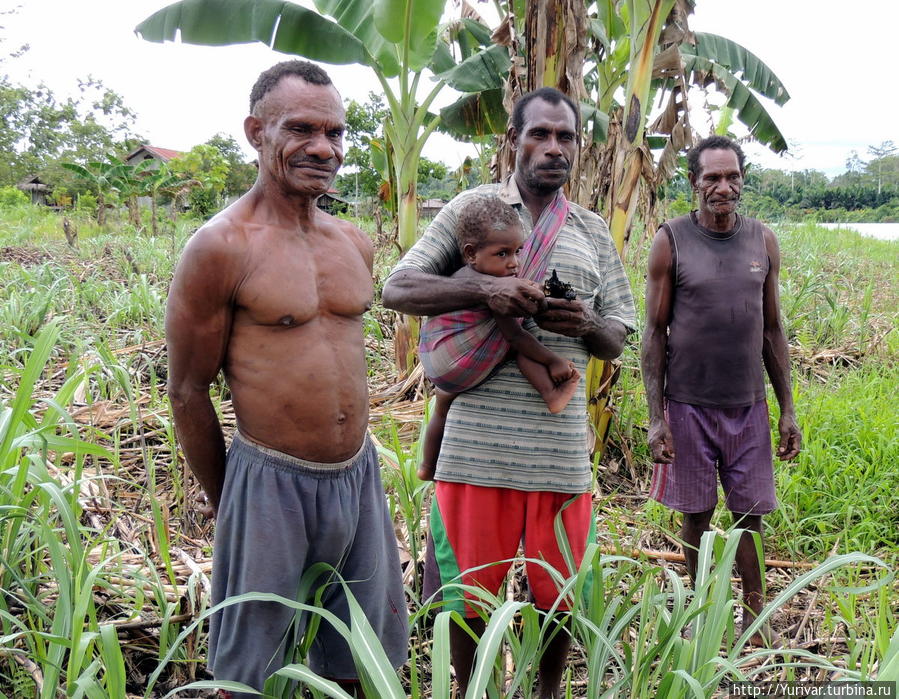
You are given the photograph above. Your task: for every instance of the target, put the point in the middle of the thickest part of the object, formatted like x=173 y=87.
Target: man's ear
x=512 y=136
x=252 y=127
x=692 y=178
x=468 y=252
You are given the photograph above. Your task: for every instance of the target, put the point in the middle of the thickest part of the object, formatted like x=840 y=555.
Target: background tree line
x=77 y=146
x=868 y=191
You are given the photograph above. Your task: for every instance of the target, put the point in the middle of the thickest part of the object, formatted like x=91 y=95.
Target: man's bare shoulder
x=771 y=242
x=224 y=236
x=356 y=235
x=214 y=262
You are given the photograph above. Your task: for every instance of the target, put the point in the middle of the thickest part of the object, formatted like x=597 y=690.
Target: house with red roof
x=148 y=152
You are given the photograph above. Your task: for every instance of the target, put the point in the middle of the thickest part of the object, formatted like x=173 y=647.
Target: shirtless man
x=272 y=291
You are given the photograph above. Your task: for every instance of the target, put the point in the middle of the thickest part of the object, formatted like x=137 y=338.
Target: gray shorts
x=278 y=516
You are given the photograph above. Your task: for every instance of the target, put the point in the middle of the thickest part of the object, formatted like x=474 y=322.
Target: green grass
x=841 y=492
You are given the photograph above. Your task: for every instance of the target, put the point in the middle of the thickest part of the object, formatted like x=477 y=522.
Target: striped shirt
x=501 y=433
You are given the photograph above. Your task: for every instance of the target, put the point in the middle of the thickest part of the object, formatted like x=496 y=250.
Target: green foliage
x=205 y=166
x=241 y=174
x=37 y=131
x=45 y=547
x=848 y=441
x=13 y=196
x=364 y=129
x=866 y=192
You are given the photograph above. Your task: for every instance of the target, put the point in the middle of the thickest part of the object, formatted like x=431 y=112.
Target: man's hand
x=204 y=507
x=661 y=443
x=570 y=318
x=511 y=296
x=790 y=438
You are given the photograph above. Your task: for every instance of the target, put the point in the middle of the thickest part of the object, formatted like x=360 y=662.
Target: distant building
x=148 y=152
x=38 y=190
x=430 y=207
x=332 y=203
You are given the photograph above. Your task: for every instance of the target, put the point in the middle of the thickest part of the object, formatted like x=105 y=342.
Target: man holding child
x=507 y=465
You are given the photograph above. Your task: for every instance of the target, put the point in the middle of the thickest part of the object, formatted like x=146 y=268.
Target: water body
x=881 y=231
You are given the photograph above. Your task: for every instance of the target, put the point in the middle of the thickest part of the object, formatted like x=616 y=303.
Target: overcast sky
x=836 y=60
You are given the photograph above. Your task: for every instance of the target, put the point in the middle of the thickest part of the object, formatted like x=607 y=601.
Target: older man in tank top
x=712 y=324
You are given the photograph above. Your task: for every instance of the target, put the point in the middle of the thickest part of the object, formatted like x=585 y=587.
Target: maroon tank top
x=715 y=331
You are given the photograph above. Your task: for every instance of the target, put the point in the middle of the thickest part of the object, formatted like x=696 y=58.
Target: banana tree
x=101 y=177
x=395 y=38
x=156 y=183
x=128 y=181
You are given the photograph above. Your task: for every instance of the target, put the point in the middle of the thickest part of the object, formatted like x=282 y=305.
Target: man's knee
x=747 y=521
x=698 y=521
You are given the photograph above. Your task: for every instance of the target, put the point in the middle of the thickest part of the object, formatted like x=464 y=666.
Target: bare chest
x=289 y=284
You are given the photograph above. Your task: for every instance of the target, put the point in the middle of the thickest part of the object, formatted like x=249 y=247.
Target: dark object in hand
x=555 y=288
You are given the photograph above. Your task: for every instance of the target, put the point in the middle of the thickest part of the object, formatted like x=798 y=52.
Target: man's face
x=498 y=255
x=546 y=147
x=299 y=135
x=719 y=182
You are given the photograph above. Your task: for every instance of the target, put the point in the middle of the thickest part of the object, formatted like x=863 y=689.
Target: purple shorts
x=731 y=443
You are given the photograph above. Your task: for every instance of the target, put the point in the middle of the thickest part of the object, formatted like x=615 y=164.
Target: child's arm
x=524 y=343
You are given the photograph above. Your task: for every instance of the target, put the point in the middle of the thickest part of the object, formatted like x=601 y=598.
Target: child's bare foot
x=557 y=398
x=426 y=472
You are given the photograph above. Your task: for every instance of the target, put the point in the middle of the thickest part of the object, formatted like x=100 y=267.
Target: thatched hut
x=35 y=188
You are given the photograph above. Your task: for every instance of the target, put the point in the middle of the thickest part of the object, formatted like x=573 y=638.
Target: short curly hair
x=714 y=143
x=481 y=216
x=547 y=94
x=268 y=79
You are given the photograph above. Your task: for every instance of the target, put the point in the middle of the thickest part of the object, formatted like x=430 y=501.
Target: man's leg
x=553 y=660
x=462 y=650
x=695 y=524
x=748 y=482
x=540 y=543
x=460 y=516
x=750 y=569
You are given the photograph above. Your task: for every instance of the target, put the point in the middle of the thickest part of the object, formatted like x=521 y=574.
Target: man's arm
x=431 y=278
x=198 y=324
x=420 y=293
x=776 y=354
x=653 y=356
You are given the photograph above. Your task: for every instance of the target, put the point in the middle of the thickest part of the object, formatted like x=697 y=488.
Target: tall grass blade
x=489 y=647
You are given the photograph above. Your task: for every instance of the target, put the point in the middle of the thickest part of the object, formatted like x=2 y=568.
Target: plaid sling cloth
x=459 y=350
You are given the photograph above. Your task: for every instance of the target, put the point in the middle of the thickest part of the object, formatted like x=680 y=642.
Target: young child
x=490 y=239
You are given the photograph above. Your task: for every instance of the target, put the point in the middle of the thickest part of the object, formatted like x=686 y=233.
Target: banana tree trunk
x=406 y=133
x=407 y=216
x=406 y=328
x=101 y=209
x=153 y=211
